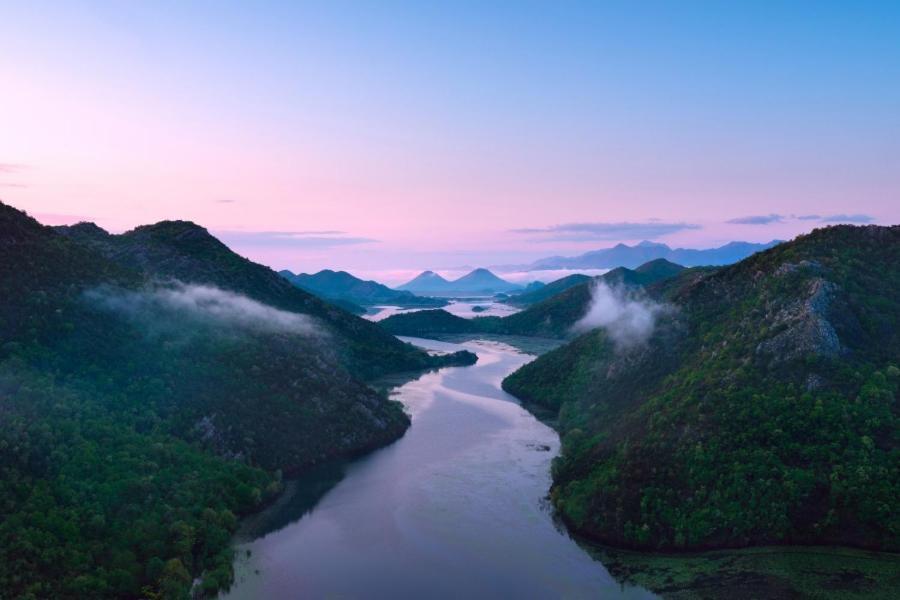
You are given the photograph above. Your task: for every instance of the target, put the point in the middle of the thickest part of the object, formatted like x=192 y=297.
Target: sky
x=388 y=136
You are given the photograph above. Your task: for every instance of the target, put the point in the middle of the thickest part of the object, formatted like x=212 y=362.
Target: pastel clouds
x=583 y=232
x=776 y=218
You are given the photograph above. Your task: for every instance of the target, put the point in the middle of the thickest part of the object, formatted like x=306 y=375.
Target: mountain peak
x=477 y=281
x=17 y=225
x=426 y=281
x=173 y=229
x=649 y=244
x=84 y=231
x=479 y=274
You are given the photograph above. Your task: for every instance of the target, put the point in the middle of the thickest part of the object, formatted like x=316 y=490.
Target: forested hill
x=187 y=252
x=546 y=291
x=761 y=410
x=152 y=385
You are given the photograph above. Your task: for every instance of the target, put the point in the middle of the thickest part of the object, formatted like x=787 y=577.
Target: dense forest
x=539 y=293
x=154 y=386
x=761 y=410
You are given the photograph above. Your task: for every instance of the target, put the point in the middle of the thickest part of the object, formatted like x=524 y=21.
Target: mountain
x=153 y=387
x=187 y=252
x=541 y=293
x=622 y=255
x=342 y=286
x=532 y=286
x=761 y=409
x=482 y=281
x=426 y=281
x=477 y=282
x=553 y=317
x=350 y=307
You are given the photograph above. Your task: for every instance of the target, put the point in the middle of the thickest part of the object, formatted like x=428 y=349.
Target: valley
x=223 y=390
x=456 y=300
x=454 y=508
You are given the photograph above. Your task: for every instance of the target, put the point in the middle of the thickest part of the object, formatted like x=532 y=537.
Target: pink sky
x=419 y=155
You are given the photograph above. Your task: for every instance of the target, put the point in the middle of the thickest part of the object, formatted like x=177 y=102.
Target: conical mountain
x=427 y=281
x=482 y=280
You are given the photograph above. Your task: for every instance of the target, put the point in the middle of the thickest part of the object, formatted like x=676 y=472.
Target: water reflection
x=467 y=309
x=456 y=508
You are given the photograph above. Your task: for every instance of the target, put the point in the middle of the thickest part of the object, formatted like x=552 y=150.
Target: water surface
x=455 y=509
x=461 y=308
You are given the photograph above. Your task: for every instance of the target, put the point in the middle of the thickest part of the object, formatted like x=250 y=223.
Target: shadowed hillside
x=153 y=386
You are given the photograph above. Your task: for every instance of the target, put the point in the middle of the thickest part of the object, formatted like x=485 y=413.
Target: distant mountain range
x=622 y=255
x=551 y=317
x=479 y=281
x=346 y=290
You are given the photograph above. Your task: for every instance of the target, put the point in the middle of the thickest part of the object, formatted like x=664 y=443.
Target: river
x=456 y=508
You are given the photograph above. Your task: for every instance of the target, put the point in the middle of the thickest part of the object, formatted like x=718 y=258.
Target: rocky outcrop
x=803 y=327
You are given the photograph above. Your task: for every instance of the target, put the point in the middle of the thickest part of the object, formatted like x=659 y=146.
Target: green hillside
x=762 y=410
x=153 y=386
x=187 y=252
x=540 y=294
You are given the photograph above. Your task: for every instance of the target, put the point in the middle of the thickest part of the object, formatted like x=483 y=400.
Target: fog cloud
x=204 y=304
x=628 y=319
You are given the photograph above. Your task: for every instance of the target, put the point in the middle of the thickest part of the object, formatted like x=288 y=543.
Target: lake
x=467 y=309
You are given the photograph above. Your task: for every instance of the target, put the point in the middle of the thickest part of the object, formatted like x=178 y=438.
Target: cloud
x=628 y=319
x=757 y=220
x=775 y=218
x=292 y=239
x=857 y=218
x=200 y=304
x=12 y=167
x=583 y=232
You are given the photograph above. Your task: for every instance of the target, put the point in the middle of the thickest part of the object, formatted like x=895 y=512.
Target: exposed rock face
x=804 y=328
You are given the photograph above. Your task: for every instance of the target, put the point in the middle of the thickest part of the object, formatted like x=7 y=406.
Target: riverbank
x=820 y=572
x=826 y=573
x=469 y=481
x=455 y=508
